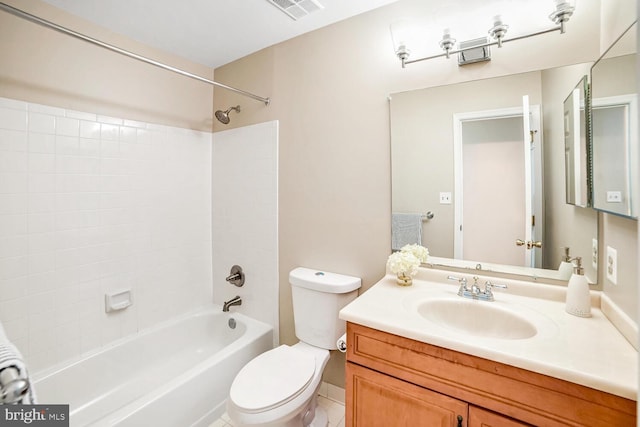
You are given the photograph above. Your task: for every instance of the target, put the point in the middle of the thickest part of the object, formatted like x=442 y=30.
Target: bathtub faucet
x=235 y=301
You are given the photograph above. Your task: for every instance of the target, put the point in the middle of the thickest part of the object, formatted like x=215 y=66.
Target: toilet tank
x=318 y=297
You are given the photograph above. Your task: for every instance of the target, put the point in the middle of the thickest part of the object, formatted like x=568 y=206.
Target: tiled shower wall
x=91 y=205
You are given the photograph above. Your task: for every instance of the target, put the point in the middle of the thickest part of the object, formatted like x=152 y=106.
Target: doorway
x=498 y=186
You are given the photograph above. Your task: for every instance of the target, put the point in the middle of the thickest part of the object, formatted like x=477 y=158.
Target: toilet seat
x=272 y=379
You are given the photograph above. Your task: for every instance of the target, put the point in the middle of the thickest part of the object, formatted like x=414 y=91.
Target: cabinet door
x=378 y=400
x=482 y=418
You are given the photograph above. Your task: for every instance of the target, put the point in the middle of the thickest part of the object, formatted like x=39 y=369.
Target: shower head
x=223 y=116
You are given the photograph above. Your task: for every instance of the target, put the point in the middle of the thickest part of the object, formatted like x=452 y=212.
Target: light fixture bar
x=495 y=43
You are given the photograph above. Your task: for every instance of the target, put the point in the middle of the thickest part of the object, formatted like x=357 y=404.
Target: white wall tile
x=14 y=309
x=13 y=246
x=67 y=126
x=46 y=109
x=110 y=120
x=13 y=182
x=239 y=235
x=71 y=226
x=80 y=115
x=109 y=132
x=42 y=143
x=42 y=163
x=89 y=129
x=13 y=119
x=13 y=103
x=41 y=242
x=13 y=225
x=13 y=288
x=67 y=145
x=13 y=267
x=42 y=123
x=41 y=183
x=13 y=140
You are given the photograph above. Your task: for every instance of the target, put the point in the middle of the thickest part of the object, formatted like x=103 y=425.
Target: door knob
x=530 y=244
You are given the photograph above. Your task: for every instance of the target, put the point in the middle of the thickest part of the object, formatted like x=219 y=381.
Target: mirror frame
x=577 y=146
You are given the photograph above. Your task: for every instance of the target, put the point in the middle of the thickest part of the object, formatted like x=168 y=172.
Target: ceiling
x=209 y=32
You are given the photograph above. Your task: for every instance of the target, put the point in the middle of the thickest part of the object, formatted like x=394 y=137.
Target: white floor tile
x=335 y=413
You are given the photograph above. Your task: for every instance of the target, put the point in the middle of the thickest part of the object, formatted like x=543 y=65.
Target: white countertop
x=586 y=351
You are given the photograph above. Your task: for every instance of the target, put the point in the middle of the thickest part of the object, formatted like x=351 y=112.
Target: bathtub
x=175 y=374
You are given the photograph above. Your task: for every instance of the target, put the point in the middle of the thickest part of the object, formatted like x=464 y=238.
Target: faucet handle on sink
x=463 y=284
x=488 y=289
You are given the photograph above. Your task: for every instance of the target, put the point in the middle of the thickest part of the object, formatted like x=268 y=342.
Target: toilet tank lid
x=323 y=281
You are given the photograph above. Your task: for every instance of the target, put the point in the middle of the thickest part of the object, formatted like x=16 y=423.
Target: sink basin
x=479 y=318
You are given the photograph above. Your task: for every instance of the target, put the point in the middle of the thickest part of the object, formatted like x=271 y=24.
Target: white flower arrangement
x=407 y=260
x=418 y=251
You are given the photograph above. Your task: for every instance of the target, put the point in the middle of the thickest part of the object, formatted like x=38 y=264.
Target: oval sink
x=480 y=318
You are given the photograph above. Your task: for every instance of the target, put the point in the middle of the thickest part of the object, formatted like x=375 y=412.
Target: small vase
x=404 y=279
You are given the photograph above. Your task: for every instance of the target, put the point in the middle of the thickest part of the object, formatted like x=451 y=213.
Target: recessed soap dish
x=117 y=301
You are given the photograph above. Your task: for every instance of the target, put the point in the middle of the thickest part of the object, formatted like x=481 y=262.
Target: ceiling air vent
x=472 y=55
x=297 y=9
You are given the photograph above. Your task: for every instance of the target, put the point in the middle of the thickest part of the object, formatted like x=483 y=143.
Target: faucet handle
x=488 y=287
x=463 y=284
x=462 y=280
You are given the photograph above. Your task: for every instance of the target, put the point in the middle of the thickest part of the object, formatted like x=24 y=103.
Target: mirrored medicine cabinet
x=614 y=128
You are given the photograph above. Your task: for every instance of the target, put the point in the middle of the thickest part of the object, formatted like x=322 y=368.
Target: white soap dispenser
x=578 y=295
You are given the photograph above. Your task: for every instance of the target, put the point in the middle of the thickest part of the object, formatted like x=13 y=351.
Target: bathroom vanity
x=407 y=366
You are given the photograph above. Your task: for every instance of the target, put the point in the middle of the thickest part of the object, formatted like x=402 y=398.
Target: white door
x=495 y=195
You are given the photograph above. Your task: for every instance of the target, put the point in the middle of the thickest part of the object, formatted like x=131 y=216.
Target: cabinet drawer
x=517 y=393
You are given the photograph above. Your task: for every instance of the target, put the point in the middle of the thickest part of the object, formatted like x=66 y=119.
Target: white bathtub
x=176 y=374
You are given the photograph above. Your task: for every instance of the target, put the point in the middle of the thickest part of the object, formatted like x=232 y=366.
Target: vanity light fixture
x=400 y=34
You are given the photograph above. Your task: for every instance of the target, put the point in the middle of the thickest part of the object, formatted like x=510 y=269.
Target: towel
x=11 y=361
x=406 y=228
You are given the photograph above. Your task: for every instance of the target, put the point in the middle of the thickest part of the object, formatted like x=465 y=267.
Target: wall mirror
x=576 y=148
x=458 y=165
x=615 y=128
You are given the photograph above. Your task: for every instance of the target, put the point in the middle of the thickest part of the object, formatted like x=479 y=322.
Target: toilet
x=280 y=387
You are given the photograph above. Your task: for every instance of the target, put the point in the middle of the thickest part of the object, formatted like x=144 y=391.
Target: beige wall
x=329 y=90
x=43 y=66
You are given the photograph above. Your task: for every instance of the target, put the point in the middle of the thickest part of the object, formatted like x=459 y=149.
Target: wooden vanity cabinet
x=393 y=381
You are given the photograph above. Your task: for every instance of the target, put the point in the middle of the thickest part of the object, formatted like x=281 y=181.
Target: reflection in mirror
x=615 y=128
x=575 y=146
x=423 y=169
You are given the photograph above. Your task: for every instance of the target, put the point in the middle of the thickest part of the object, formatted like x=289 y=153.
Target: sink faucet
x=474 y=292
x=234 y=301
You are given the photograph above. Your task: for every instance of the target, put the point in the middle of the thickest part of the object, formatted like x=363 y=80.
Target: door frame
x=536 y=159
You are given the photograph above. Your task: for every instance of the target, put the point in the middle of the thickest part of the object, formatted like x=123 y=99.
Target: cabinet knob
x=459 y=420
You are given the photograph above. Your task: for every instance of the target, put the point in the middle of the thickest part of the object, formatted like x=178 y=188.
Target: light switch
x=445 y=198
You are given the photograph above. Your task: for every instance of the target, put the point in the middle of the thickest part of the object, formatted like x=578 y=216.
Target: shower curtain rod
x=37 y=20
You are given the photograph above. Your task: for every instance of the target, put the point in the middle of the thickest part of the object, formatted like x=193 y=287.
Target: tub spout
x=235 y=301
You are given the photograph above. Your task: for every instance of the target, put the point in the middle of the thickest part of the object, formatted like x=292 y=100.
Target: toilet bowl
x=279 y=388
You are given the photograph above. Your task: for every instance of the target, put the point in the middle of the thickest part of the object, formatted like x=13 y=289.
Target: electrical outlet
x=594 y=253
x=614 y=197
x=612 y=265
x=445 y=198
